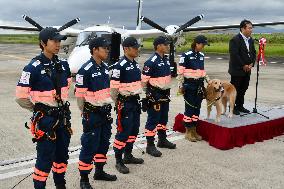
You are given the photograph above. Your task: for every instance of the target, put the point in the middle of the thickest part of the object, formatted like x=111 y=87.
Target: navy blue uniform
x=93 y=89
x=36 y=88
x=191 y=74
x=126 y=82
x=156 y=76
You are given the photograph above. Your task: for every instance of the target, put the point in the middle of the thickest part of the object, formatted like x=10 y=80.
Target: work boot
x=186 y=133
x=101 y=175
x=244 y=110
x=151 y=148
x=84 y=182
x=130 y=159
x=164 y=143
x=196 y=135
x=85 y=185
x=121 y=168
x=236 y=111
x=190 y=135
x=61 y=186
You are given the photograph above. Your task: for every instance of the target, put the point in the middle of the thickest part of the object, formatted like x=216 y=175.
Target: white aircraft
x=78 y=39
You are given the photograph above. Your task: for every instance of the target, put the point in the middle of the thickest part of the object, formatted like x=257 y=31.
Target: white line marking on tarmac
x=207 y=57
x=273 y=62
x=24 y=171
x=219 y=58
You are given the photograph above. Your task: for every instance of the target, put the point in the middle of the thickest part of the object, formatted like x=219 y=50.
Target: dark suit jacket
x=240 y=56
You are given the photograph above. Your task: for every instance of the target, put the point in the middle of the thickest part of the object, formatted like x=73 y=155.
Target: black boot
x=130 y=159
x=101 y=175
x=163 y=141
x=84 y=182
x=151 y=148
x=61 y=186
x=120 y=165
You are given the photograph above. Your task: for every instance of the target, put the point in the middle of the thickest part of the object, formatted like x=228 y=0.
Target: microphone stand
x=254 y=111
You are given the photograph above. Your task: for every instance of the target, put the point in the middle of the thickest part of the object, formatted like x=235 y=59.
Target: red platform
x=238 y=131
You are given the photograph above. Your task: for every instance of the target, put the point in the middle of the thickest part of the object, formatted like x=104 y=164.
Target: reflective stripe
x=23 y=92
x=39 y=175
x=100 y=158
x=114 y=84
x=130 y=88
x=39 y=172
x=84 y=166
x=39 y=178
x=161 y=82
x=145 y=78
x=161 y=127
x=194 y=118
x=59 y=167
x=45 y=96
x=80 y=92
x=131 y=139
x=98 y=96
x=119 y=145
x=190 y=73
x=150 y=133
x=187 y=119
x=64 y=93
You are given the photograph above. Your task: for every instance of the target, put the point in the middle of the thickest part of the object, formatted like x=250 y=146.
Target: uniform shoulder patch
x=25 y=78
x=188 y=53
x=88 y=66
x=154 y=58
x=36 y=63
x=115 y=73
x=123 y=62
x=181 y=60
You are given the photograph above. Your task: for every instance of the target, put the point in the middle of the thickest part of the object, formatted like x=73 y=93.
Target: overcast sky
x=124 y=12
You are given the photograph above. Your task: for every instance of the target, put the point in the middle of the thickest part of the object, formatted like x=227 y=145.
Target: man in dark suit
x=242 y=59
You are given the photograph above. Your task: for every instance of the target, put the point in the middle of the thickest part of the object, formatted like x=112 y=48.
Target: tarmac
x=191 y=165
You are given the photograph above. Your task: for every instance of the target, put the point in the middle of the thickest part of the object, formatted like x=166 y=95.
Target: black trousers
x=241 y=84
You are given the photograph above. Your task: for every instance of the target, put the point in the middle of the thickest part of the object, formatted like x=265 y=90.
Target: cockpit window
x=85 y=37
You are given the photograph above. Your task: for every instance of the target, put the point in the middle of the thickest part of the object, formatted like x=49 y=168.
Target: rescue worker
x=191 y=76
x=125 y=89
x=94 y=100
x=156 y=78
x=43 y=89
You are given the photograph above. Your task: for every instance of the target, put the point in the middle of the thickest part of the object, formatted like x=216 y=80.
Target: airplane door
x=115 y=47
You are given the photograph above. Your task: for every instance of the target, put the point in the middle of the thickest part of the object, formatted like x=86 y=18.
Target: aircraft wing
x=233 y=26
x=21 y=28
x=144 y=33
x=68 y=31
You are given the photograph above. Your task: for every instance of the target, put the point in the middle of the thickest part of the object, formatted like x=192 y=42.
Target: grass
x=218 y=42
x=19 y=38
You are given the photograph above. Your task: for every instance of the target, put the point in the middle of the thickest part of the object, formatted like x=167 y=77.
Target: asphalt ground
x=191 y=165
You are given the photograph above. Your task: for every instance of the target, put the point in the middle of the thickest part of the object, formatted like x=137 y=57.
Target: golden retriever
x=217 y=93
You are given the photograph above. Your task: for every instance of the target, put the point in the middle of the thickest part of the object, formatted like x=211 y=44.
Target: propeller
x=153 y=24
x=69 y=24
x=32 y=22
x=189 y=23
x=181 y=28
x=39 y=27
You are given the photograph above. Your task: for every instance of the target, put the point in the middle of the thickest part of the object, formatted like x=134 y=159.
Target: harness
x=155 y=97
x=221 y=89
x=120 y=104
x=62 y=112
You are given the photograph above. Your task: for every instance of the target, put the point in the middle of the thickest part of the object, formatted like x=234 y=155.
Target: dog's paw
x=217 y=120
